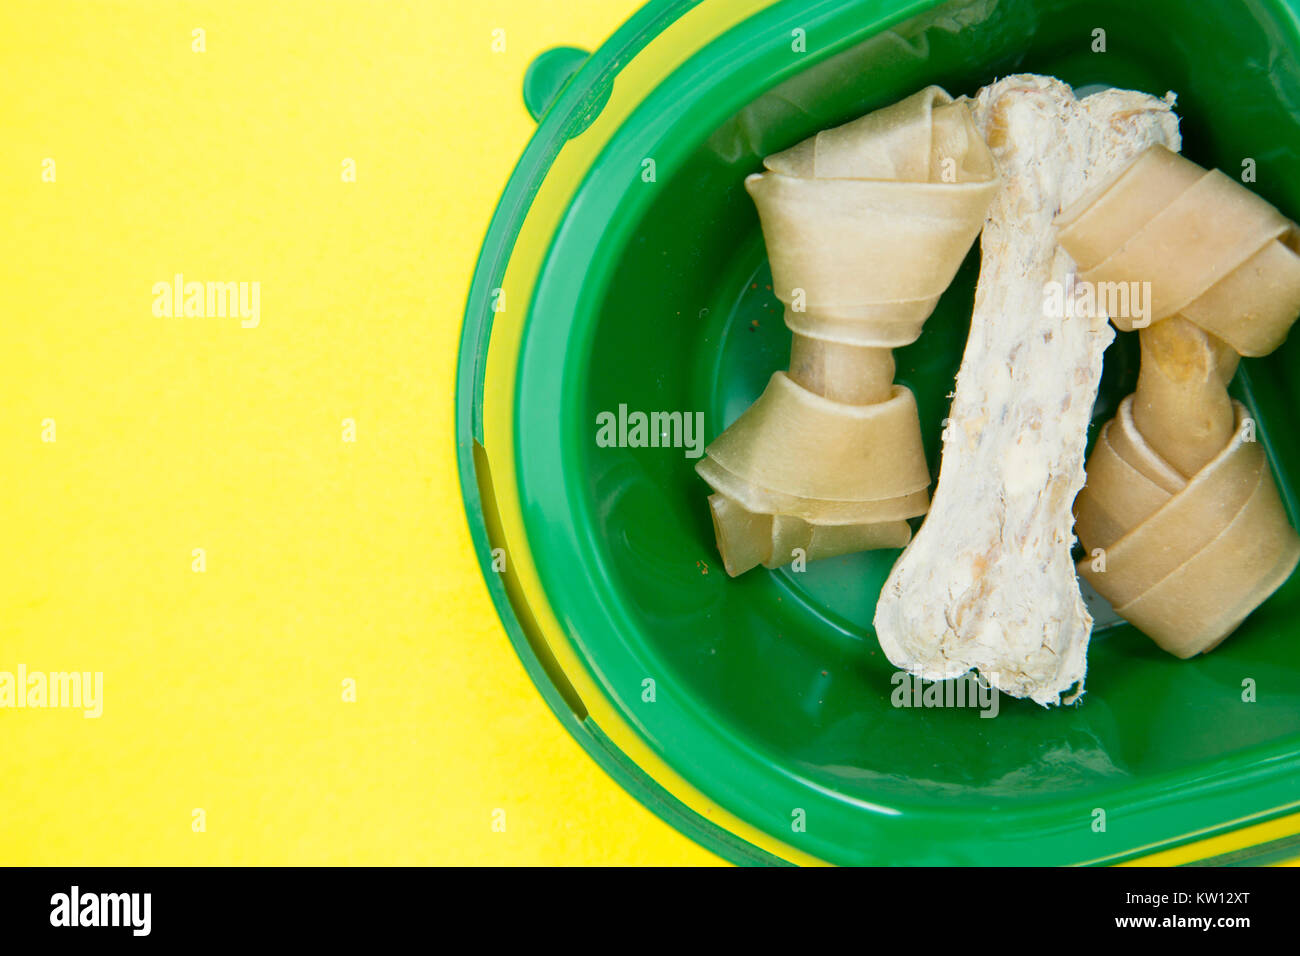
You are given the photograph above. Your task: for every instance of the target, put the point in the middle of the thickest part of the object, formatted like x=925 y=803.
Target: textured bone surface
x=988 y=582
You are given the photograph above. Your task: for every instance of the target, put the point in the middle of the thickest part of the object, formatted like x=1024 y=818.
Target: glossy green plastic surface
x=547 y=75
x=772 y=695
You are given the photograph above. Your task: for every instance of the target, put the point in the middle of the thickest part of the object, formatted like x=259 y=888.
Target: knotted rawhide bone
x=1181 y=518
x=865 y=226
x=1212 y=250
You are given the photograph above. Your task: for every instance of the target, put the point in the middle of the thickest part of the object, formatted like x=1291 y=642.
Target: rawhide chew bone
x=1212 y=250
x=865 y=226
x=1181 y=518
x=988 y=583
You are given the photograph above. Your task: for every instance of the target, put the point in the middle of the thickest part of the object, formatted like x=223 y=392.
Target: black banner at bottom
x=335 y=905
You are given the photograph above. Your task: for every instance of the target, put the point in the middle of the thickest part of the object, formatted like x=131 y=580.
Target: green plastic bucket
x=625 y=267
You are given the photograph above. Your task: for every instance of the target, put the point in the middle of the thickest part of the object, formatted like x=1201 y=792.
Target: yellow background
x=325 y=560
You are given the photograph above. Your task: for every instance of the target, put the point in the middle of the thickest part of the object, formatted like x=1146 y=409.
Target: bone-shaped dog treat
x=1182 y=520
x=1211 y=249
x=988 y=582
x=865 y=225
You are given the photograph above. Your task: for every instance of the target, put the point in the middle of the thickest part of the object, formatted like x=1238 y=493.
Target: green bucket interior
x=671 y=310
